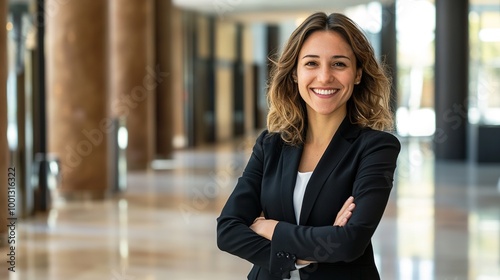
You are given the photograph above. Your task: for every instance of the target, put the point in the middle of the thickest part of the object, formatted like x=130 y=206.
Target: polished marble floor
x=442 y=223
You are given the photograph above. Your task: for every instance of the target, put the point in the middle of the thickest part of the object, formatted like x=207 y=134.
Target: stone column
x=164 y=94
x=4 y=150
x=451 y=79
x=134 y=75
x=78 y=126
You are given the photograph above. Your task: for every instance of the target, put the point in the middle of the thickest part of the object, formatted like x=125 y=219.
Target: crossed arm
x=265 y=227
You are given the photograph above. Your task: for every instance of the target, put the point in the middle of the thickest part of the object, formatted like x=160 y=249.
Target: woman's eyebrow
x=317 y=56
x=341 y=56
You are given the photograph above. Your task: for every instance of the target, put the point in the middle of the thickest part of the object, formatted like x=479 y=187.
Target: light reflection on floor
x=442 y=223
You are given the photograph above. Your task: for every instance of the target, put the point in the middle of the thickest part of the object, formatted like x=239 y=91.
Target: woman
x=323 y=148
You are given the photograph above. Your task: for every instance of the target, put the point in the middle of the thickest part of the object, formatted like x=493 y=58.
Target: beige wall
x=178 y=90
x=224 y=103
x=202 y=37
x=225 y=54
x=249 y=96
x=225 y=38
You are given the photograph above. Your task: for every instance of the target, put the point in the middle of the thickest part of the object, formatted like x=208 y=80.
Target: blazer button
x=279 y=255
x=287 y=256
x=294 y=257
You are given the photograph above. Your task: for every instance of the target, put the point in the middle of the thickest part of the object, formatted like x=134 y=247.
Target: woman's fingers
x=258 y=218
x=345 y=212
x=348 y=203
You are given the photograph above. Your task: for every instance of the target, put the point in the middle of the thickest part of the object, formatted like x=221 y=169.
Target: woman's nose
x=325 y=75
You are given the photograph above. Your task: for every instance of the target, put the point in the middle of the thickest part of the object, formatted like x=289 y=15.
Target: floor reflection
x=442 y=223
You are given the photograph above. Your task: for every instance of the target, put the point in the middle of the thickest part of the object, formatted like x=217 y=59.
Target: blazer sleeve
x=371 y=189
x=242 y=207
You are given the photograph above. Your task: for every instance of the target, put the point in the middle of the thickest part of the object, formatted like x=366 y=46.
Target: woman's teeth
x=325 y=91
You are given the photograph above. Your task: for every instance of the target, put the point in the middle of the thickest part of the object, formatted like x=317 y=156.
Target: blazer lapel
x=335 y=151
x=289 y=165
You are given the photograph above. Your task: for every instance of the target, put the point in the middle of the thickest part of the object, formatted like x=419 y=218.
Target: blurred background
x=124 y=125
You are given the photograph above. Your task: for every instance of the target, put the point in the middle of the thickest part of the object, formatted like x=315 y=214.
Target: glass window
x=415 y=113
x=484 y=86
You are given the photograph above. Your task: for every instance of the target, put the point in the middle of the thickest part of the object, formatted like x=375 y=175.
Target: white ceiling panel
x=232 y=8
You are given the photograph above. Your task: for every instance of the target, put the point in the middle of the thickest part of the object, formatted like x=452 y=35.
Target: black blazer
x=358 y=161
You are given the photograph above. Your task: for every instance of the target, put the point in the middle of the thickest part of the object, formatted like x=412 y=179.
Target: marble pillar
x=76 y=67
x=134 y=76
x=4 y=151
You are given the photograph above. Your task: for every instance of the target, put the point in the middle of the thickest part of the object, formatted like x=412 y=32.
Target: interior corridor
x=442 y=223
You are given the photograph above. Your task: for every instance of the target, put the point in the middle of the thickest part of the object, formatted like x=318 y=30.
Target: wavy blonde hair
x=369 y=103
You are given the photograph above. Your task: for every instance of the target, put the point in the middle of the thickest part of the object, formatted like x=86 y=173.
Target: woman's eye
x=339 y=64
x=311 y=63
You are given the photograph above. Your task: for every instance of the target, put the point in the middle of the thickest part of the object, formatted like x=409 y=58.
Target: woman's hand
x=263 y=227
x=345 y=212
x=342 y=217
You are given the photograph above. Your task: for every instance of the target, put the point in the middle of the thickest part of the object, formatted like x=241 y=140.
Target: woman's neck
x=320 y=129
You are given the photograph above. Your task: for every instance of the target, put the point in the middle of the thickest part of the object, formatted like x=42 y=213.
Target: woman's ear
x=359 y=73
x=294 y=76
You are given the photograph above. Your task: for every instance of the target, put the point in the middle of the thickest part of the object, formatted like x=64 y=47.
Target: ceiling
x=266 y=10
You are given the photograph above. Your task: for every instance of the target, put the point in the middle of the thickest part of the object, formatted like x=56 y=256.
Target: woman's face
x=326 y=73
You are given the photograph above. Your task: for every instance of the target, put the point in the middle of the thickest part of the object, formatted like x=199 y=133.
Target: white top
x=298 y=198
x=298 y=192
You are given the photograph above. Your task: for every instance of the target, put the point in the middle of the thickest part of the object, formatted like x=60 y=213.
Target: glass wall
x=484 y=86
x=484 y=116
x=484 y=80
x=415 y=114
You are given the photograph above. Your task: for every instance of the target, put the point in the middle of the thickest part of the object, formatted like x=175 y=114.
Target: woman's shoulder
x=378 y=136
x=268 y=144
x=266 y=138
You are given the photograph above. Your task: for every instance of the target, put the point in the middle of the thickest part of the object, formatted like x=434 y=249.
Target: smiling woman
x=318 y=180
x=369 y=103
x=326 y=74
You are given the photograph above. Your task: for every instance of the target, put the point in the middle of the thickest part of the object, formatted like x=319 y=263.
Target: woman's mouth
x=325 y=91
